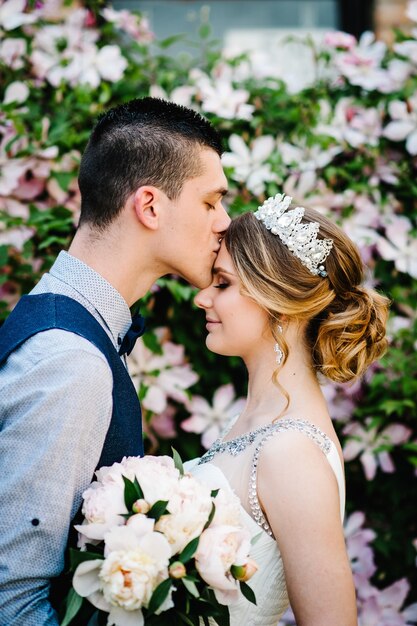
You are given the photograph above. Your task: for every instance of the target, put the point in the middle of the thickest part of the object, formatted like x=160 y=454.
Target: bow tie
x=136 y=330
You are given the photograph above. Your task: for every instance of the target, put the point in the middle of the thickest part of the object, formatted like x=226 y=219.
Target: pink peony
x=219 y=548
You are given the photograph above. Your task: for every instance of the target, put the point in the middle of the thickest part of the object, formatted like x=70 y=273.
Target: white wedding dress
x=233 y=465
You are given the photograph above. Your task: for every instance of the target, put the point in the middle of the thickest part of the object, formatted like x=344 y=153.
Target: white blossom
x=250 y=164
x=404 y=123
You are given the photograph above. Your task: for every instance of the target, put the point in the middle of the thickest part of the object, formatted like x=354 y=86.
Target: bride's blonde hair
x=345 y=321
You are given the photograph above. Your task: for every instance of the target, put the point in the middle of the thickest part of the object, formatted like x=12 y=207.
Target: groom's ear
x=146 y=201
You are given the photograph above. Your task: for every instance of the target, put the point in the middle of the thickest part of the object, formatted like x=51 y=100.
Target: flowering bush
x=345 y=144
x=157 y=541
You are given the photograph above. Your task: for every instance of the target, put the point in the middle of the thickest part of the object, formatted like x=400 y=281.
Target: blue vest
x=36 y=313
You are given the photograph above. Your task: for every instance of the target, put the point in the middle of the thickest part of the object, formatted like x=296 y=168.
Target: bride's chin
x=214 y=347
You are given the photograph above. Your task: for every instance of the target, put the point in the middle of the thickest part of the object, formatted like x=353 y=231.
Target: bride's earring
x=279 y=353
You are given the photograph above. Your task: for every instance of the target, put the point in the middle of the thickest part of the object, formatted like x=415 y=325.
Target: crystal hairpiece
x=300 y=239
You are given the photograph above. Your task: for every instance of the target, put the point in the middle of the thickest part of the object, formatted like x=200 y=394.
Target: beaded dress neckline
x=261 y=435
x=238 y=444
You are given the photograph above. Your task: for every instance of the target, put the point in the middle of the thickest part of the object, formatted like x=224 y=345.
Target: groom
x=151 y=185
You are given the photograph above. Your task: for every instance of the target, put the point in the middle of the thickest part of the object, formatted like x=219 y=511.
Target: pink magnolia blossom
x=288 y=619
x=17 y=92
x=371 y=445
x=218 y=95
x=180 y=95
x=395 y=75
x=399 y=245
x=209 y=420
x=364 y=128
x=81 y=61
x=384 y=607
x=54 y=10
x=404 y=123
x=250 y=164
x=163 y=424
x=12 y=52
x=386 y=169
x=362 y=225
x=407 y=49
x=164 y=376
x=341 y=403
x=136 y=26
x=351 y=123
x=303 y=162
x=16 y=236
x=25 y=178
x=361 y=65
x=12 y=14
x=360 y=554
x=339 y=39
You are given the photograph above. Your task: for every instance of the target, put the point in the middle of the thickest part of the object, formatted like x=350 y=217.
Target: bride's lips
x=210 y=323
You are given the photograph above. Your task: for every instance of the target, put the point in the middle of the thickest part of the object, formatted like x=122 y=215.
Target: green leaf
x=159 y=595
x=205 y=30
x=4 y=255
x=73 y=604
x=169 y=41
x=247 y=592
x=64 y=179
x=189 y=550
x=177 y=461
x=210 y=517
x=132 y=493
x=185 y=619
x=214 y=493
x=151 y=341
x=78 y=556
x=158 y=509
x=138 y=488
x=191 y=587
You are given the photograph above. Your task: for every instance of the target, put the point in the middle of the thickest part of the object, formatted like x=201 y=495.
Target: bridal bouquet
x=158 y=546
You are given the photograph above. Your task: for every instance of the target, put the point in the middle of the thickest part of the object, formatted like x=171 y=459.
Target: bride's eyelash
x=221 y=286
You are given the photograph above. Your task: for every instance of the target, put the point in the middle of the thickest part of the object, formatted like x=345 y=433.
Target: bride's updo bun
x=345 y=321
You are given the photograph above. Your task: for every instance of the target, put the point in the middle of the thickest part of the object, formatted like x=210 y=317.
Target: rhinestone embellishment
x=239 y=444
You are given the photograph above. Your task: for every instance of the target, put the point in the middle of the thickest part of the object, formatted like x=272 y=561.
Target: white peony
x=157 y=476
x=103 y=508
x=227 y=509
x=136 y=562
x=189 y=508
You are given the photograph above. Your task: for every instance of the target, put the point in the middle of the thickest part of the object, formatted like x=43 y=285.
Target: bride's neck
x=265 y=398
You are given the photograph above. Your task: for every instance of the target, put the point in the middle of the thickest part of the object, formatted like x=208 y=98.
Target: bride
x=287 y=297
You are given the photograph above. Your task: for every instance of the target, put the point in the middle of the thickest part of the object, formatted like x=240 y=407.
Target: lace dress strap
x=308 y=429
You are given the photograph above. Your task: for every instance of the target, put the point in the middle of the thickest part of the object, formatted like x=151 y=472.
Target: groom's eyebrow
x=222 y=191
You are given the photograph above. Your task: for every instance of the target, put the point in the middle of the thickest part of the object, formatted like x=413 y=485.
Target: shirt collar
x=107 y=301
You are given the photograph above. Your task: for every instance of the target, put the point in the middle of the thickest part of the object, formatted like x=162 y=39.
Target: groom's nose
x=222 y=221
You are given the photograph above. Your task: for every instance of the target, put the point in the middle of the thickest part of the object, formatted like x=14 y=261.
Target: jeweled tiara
x=300 y=239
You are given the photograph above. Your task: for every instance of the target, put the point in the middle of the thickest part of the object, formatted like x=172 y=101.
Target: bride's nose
x=203 y=299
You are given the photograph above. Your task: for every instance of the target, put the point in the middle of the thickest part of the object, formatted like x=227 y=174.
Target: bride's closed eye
x=221 y=286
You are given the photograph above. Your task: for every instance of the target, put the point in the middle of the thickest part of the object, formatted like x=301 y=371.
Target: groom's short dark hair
x=146 y=141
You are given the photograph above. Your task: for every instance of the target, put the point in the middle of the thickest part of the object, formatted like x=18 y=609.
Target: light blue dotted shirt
x=55 y=409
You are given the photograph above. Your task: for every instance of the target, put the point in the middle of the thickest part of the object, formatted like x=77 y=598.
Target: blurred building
x=266 y=26
x=388 y=14
x=353 y=16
